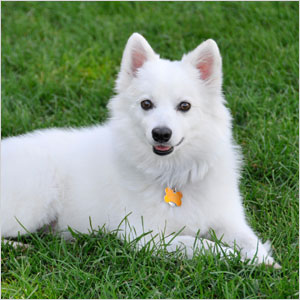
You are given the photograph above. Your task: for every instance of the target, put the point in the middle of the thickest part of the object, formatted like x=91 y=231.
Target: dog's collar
x=172 y=197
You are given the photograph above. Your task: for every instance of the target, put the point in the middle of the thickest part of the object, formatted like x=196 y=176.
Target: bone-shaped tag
x=173 y=198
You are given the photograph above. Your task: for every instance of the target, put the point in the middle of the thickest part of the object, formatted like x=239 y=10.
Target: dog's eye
x=146 y=104
x=184 y=106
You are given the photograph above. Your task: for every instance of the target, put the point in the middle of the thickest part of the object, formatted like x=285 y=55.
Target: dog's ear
x=136 y=53
x=207 y=59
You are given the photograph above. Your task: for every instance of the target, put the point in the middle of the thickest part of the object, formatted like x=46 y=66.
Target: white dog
x=165 y=159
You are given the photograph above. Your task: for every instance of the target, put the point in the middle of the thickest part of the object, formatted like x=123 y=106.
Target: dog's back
x=38 y=168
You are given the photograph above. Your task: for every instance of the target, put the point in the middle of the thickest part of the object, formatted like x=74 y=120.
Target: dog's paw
x=269 y=262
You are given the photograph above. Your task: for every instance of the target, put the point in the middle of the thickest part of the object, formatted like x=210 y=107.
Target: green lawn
x=59 y=62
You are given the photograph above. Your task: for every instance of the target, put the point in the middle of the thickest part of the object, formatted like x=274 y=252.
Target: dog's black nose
x=161 y=134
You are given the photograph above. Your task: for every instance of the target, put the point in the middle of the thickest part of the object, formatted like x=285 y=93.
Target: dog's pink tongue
x=162 y=148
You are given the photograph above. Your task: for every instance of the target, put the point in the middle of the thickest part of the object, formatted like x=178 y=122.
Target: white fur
x=106 y=172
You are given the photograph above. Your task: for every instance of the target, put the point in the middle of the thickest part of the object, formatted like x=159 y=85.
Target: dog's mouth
x=162 y=149
x=165 y=149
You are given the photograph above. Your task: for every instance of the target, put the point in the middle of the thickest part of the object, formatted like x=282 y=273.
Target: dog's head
x=169 y=109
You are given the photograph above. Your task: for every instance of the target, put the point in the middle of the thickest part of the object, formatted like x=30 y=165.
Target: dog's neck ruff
x=172 y=197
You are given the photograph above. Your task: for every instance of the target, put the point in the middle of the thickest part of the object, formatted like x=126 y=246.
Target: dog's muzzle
x=165 y=149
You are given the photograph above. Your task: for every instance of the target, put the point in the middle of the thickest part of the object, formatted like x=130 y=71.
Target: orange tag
x=173 y=198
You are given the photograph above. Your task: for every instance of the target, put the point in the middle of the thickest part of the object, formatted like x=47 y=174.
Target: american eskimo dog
x=165 y=159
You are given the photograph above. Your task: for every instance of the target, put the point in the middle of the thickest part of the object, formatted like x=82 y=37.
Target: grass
x=59 y=62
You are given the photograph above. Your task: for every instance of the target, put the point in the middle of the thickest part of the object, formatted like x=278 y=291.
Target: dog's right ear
x=136 y=53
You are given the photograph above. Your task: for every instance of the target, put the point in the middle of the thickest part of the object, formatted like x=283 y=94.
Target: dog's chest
x=157 y=213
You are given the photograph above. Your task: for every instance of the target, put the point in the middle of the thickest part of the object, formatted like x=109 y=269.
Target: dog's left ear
x=136 y=53
x=207 y=59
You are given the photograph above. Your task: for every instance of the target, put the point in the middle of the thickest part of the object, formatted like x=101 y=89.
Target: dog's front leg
x=191 y=245
x=245 y=240
x=185 y=244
